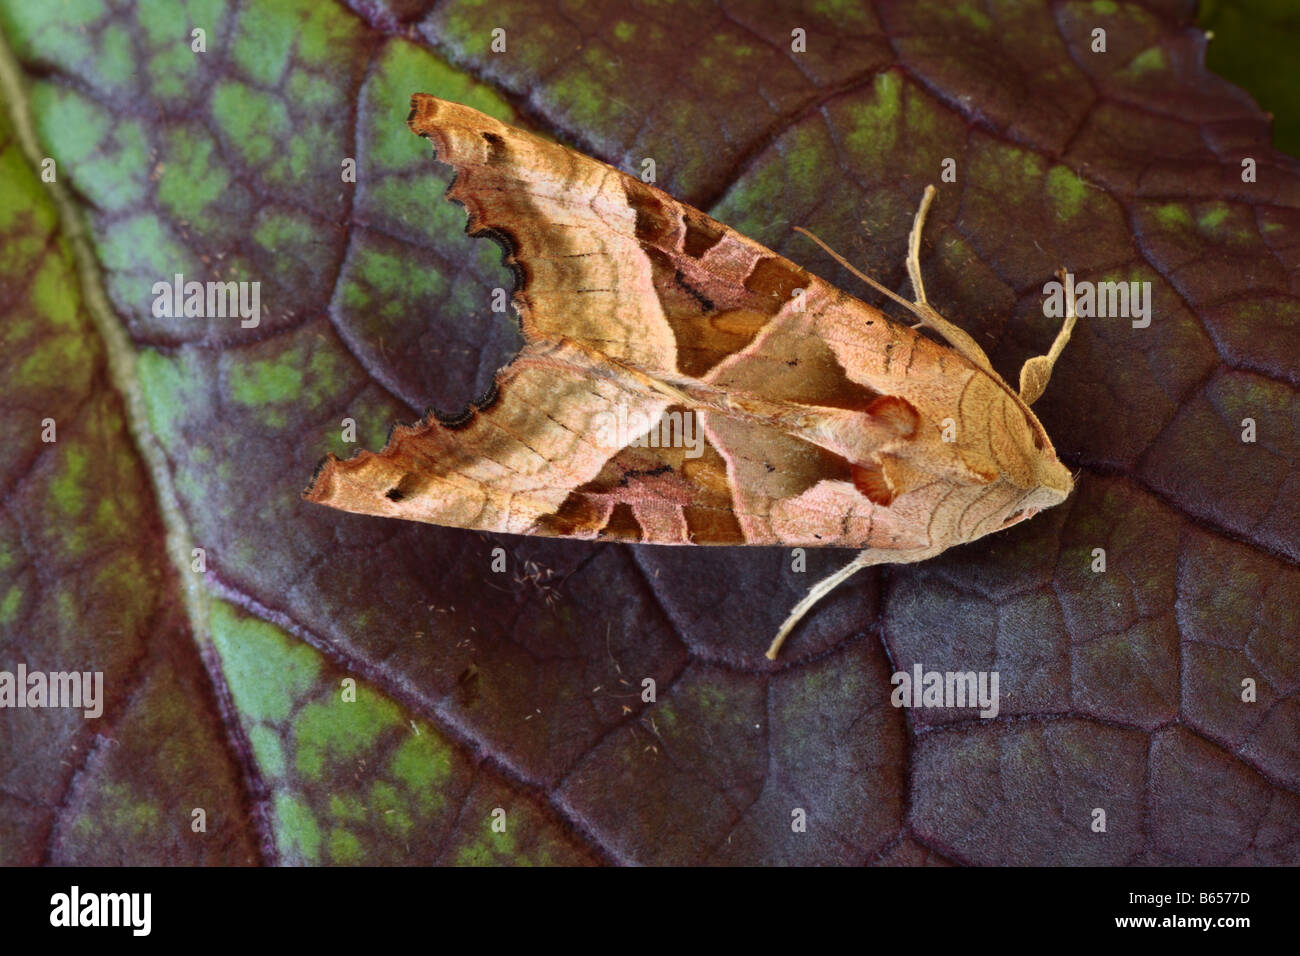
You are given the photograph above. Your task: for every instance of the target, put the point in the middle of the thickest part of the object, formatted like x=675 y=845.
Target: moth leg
x=828 y=584
x=1037 y=372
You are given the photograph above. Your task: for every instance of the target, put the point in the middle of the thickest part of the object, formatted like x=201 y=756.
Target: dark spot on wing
x=714 y=310
x=633 y=474
x=705 y=303
x=701 y=235
x=496 y=148
x=407 y=486
x=655 y=224
x=622 y=524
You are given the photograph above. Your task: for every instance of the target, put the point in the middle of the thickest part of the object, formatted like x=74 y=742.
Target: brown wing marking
x=677 y=494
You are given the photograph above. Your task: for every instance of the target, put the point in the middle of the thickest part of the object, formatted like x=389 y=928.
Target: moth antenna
x=914 y=247
x=1063 y=336
x=862 y=275
x=1037 y=372
x=921 y=308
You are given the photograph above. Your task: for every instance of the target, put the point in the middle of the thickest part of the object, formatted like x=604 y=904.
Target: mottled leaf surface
x=518 y=695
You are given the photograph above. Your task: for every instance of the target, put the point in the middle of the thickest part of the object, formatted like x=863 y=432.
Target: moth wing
x=621 y=288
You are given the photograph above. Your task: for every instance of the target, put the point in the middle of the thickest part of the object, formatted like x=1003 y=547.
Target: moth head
x=1054 y=490
x=1050 y=482
x=1010 y=448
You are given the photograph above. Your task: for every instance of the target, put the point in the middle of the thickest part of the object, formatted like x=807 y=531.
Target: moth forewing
x=814 y=419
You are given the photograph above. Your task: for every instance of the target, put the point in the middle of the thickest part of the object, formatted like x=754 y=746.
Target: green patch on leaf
x=10 y=605
x=193 y=174
x=974 y=16
x=423 y=764
x=296 y=831
x=284 y=230
x=804 y=151
x=255 y=124
x=333 y=729
x=1149 y=60
x=344 y=846
x=266 y=380
x=74 y=126
x=492 y=848
x=68 y=486
x=874 y=123
x=1212 y=216
x=54 y=34
x=1173 y=214
x=145 y=248
x=386 y=282
x=124 y=814
x=108 y=159
x=115 y=65
x=268 y=674
x=583 y=94
x=267 y=750
x=21 y=201
x=845 y=12
x=347 y=806
x=1066 y=190
x=171 y=385
x=1009 y=177
x=264 y=39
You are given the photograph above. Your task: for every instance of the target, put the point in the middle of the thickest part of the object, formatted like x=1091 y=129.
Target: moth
x=813 y=419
